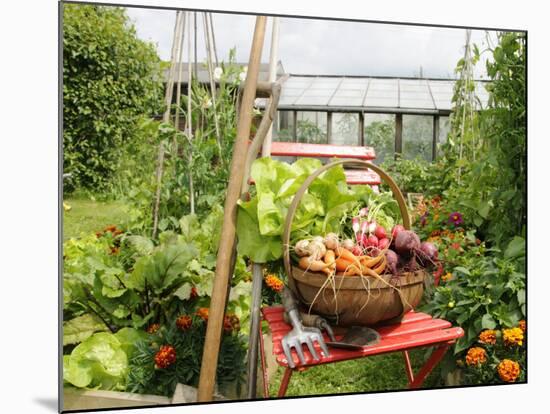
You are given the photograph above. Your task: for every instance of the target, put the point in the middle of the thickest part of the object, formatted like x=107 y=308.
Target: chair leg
x=430 y=364
x=284 y=382
x=264 y=364
x=408 y=367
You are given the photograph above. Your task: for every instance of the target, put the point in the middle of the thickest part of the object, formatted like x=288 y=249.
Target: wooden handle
x=301 y=191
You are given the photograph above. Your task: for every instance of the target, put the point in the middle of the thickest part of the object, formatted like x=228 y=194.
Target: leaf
x=484 y=210
x=189 y=226
x=142 y=245
x=241 y=289
x=462 y=270
x=521 y=296
x=82 y=327
x=487 y=322
x=99 y=361
x=184 y=291
x=515 y=248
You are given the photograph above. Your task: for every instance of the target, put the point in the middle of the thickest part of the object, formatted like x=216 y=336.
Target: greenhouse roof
x=370 y=94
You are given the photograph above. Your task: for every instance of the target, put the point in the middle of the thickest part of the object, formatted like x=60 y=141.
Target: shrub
x=110 y=77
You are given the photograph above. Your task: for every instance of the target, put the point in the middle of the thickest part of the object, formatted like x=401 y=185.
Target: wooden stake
x=178 y=28
x=227 y=239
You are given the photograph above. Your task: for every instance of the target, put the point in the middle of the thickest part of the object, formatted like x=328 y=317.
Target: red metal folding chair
x=416 y=330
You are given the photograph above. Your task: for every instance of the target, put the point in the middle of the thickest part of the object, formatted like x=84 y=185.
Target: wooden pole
x=168 y=101
x=266 y=149
x=190 y=119
x=227 y=239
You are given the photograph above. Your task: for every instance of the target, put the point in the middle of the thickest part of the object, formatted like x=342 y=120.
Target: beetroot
x=428 y=254
x=393 y=260
x=429 y=250
x=407 y=243
x=398 y=228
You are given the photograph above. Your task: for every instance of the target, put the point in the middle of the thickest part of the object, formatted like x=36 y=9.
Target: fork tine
x=288 y=353
x=309 y=343
x=300 y=353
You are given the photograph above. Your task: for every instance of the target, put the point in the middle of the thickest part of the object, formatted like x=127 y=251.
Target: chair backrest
x=298 y=149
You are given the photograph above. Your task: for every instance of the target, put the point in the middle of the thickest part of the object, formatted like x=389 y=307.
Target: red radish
x=383 y=243
x=380 y=232
x=370 y=241
x=372 y=227
x=356 y=250
x=396 y=230
x=364 y=212
x=356 y=227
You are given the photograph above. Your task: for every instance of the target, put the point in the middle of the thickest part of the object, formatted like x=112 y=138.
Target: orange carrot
x=347 y=255
x=342 y=264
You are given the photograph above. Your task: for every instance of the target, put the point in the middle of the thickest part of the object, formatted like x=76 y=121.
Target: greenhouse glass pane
x=285 y=126
x=444 y=129
x=311 y=127
x=417 y=137
x=324 y=83
x=442 y=92
x=345 y=129
x=344 y=101
x=415 y=94
x=313 y=100
x=382 y=93
x=380 y=134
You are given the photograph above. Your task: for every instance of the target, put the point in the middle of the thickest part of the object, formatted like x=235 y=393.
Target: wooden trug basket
x=353 y=300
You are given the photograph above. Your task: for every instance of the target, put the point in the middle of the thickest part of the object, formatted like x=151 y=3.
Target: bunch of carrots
x=330 y=256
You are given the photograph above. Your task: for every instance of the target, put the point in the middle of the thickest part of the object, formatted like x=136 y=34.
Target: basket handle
x=301 y=191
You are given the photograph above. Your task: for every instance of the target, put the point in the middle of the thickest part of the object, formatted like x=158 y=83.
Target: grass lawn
x=378 y=373
x=88 y=216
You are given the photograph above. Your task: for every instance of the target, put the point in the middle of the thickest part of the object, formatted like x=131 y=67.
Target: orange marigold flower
x=184 y=322
x=203 y=314
x=115 y=250
x=522 y=325
x=165 y=357
x=231 y=323
x=488 y=336
x=193 y=293
x=512 y=336
x=153 y=328
x=274 y=283
x=447 y=276
x=508 y=370
x=476 y=356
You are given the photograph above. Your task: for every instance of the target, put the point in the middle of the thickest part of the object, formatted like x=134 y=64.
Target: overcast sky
x=308 y=46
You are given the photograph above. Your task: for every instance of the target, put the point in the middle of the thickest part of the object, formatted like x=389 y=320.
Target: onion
x=428 y=254
x=316 y=249
x=348 y=244
x=302 y=248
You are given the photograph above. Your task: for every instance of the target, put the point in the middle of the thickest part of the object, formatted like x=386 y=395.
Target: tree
x=110 y=78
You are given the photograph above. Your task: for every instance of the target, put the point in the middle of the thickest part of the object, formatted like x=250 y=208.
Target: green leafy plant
x=152 y=374
x=101 y=360
x=110 y=79
x=484 y=291
x=323 y=208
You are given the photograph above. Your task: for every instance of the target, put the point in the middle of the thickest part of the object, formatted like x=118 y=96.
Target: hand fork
x=299 y=335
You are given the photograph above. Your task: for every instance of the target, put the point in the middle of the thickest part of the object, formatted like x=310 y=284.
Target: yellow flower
x=488 y=336
x=512 y=336
x=274 y=283
x=476 y=356
x=508 y=370
x=447 y=276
